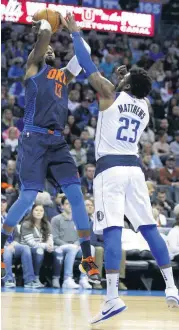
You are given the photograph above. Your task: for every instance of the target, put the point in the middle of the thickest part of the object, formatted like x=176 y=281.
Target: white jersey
x=120 y=126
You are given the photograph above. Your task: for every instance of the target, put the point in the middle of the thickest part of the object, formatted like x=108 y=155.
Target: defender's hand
x=71 y=24
x=122 y=71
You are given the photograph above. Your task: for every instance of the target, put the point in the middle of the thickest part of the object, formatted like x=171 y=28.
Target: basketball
x=52 y=16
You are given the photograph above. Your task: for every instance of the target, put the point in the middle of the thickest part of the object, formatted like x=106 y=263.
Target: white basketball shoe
x=110 y=308
x=172 y=297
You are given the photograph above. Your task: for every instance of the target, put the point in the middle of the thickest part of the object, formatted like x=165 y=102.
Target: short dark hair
x=63 y=200
x=161 y=133
x=161 y=191
x=140 y=82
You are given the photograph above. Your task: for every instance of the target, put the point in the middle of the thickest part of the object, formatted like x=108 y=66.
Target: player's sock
x=160 y=252
x=75 y=197
x=85 y=246
x=16 y=213
x=167 y=274
x=112 y=258
x=112 y=285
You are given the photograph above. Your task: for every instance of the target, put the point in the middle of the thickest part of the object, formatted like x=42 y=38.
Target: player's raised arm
x=73 y=67
x=36 y=56
x=103 y=86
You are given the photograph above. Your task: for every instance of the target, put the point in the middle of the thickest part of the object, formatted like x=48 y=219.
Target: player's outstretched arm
x=103 y=86
x=36 y=56
x=73 y=68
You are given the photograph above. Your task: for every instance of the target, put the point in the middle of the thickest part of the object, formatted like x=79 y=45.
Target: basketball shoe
x=110 y=308
x=172 y=298
x=89 y=268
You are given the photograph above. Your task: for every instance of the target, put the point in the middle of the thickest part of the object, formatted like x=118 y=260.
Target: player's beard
x=50 y=61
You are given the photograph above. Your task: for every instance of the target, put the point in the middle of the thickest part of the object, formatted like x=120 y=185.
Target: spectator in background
x=82 y=114
x=21 y=51
x=163 y=125
x=87 y=179
x=173 y=241
x=67 y=135
x=151 y=190
x=9 y=179
x=7 y=119
x=74 y=129
x=176 y=210
x=30 y=40
x=65 y=236
x=44 y=199
x=155 y=159
x=158 y=107
x=12 y=139
x=169 y=175
x=14 y=249
x=174 y=119
x=147 y=136
x=36 y=233
x=161 y=147
x=168 y=205
x=91 y=128
x=3 y=208
x=4 y=96
x=150 y=174
x=106 y=68
x=174 y=146
x=57 y=202
x=78 y=87
x=73 y=100
x=87 y=143
x=155 y=53
x=16 y=71
x=79 y=155
x=160 y=218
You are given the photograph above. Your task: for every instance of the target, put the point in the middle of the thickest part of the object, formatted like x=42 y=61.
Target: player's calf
x=160 y=252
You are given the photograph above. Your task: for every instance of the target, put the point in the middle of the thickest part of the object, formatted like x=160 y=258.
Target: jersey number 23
x=122 y=131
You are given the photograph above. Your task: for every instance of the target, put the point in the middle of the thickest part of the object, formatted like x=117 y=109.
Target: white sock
x=167 y=274
x=112 y=285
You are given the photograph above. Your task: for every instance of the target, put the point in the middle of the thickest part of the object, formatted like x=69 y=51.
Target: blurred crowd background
x=158 y=147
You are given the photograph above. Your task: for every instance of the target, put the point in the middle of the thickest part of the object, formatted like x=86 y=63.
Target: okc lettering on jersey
x=58 y=75
x=132 y=108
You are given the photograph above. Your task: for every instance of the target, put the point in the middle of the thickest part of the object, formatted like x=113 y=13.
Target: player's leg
x=109 y=196
x=15 y=214
x=31 y=169
x=160 y=252
x=139 y=212
x=62 y=170
x=75 y=197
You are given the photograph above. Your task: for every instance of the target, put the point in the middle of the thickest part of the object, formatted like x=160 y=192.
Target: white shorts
x=119 y=191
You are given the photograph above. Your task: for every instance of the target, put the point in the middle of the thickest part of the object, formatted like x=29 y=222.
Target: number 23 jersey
x=120 y=126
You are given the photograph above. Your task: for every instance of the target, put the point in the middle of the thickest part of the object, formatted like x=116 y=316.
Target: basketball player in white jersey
x=119 y=184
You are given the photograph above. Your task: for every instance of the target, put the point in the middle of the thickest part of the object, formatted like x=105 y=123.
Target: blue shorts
x=44 y=156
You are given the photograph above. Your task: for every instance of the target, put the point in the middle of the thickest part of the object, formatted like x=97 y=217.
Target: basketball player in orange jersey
x=42 y=151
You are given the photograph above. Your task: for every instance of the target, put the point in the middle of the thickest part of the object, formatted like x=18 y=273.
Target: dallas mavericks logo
x=100 y=215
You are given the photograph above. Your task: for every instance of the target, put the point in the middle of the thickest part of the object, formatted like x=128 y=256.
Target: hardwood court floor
x=71 y=311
